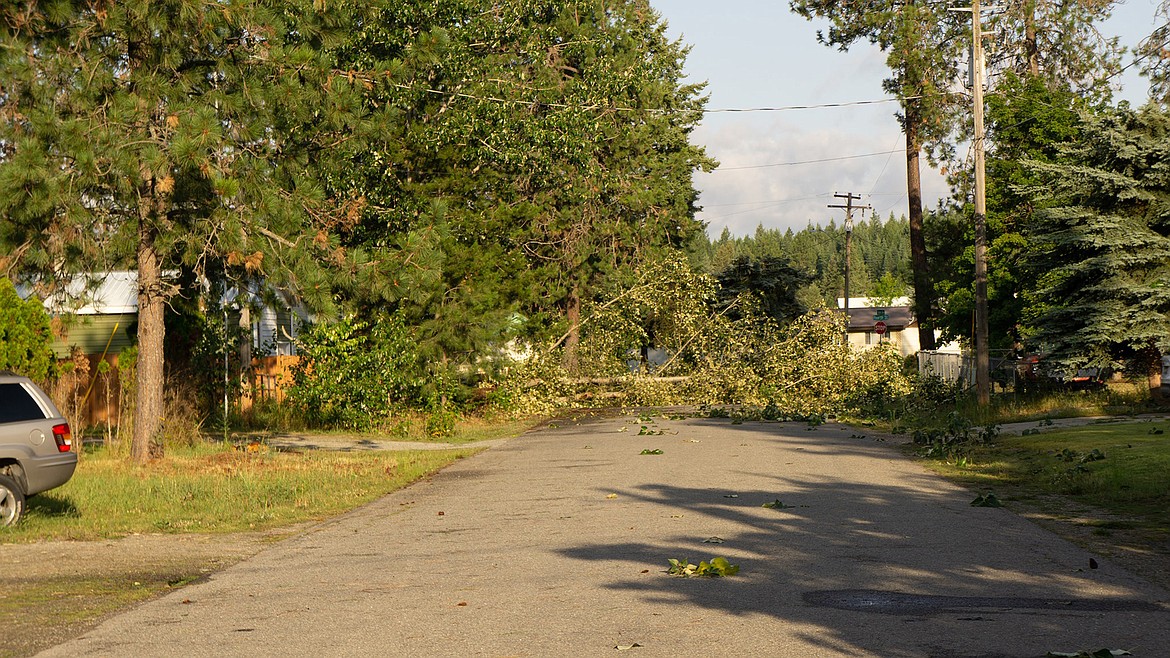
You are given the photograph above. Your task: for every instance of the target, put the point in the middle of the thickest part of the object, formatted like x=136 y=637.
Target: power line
x=804 y=162
x=820 y=106
x=760 y=203
x=613 y=108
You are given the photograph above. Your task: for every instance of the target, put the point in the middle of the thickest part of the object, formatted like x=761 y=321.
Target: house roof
x=107 y=293
x=900 y=317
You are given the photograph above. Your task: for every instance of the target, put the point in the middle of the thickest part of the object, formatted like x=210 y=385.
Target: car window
x=17 y=404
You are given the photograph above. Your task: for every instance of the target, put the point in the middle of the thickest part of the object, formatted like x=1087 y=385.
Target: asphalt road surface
x=556 y=543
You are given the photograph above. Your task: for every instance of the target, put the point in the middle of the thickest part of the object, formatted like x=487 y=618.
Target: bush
x=25 y=335
x=355 y=374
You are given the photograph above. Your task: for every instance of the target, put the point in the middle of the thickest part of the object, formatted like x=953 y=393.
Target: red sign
x=879 y=328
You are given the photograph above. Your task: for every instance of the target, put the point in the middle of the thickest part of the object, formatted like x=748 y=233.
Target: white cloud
x=742 y=195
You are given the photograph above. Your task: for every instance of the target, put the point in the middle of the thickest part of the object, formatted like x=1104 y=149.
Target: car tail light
x=63 y=437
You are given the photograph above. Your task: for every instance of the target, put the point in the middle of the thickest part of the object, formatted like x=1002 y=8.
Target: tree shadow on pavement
x=866 y=553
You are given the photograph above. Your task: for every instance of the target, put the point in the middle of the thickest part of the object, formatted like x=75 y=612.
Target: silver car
x=36 y=446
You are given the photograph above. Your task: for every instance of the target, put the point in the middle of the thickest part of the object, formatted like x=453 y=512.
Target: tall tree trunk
x=1031 y=46
x=573 y=341
x=923 y=288
x=148 y=413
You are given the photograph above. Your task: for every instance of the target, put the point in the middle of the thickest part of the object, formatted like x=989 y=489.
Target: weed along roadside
x=119 y=534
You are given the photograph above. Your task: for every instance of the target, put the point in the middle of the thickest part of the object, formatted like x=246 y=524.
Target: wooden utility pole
x=848 y=207
x=982 y=349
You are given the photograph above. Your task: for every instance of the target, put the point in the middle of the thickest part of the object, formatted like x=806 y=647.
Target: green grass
x=1119 y=398
x=216 y=488
x=1131 y=481
x=408 y=428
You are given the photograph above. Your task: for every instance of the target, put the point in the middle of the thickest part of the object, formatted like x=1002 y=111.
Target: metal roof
x=106 y=293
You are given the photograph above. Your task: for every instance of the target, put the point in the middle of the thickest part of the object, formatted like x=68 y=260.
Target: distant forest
x=880 y=260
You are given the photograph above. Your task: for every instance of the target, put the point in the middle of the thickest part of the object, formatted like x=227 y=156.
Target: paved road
x=555 y=544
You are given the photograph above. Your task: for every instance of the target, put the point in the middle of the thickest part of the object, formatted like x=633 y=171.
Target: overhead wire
x=804 y=162
x=615 y=108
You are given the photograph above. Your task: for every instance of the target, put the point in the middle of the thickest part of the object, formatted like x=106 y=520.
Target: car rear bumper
x=44 y=473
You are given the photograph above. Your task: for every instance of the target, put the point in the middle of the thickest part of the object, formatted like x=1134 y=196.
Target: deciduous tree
x=539 y=149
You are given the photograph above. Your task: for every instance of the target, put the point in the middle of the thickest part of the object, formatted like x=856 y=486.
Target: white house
x=871 y=324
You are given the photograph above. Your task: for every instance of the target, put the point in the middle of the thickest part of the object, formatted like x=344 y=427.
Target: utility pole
x=982 y=349
x=848 y=207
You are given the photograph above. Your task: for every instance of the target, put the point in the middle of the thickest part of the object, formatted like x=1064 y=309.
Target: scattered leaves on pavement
x=718 y=567
x=776 y=504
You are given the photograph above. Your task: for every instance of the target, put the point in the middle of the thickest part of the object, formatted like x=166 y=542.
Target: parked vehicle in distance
x=36 y=446
x=1086 y=379
x=1033 y=373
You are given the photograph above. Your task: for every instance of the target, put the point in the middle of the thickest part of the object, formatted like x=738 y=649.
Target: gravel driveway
x=556 y=543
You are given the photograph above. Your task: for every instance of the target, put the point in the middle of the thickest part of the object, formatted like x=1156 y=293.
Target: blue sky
x=756 y=53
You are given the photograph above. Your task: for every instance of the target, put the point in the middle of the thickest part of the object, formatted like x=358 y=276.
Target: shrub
x=25 y=335
x=355 y=374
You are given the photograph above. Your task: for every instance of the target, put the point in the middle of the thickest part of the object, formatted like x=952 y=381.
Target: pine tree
x=1154 y=54
x=174 y=134
x=1058 y=41
x=1102 y=243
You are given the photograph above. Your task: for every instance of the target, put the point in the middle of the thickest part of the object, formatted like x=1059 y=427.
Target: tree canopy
x=482 y=169
x=180 y=134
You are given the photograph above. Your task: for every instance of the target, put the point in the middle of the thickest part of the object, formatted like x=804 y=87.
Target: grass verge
x=171 y=522
x=216 y=488
x=271 y=419
x=1105 y=486
x=1119 y=398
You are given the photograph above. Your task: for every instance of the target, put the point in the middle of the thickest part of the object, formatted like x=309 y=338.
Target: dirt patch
x=51 y=592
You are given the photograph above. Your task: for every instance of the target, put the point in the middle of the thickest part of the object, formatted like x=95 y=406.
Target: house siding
x=91 y=333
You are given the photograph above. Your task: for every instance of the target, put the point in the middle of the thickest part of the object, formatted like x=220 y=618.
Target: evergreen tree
x=1058 y=41
x=170 y=134
x=1028 y=118
x=1102 y=243
x=771 y=281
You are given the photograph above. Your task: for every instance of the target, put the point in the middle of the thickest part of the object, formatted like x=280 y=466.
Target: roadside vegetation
x=217 y=488
x=1104 y=485
x=1122 y=468
x=1119 y=466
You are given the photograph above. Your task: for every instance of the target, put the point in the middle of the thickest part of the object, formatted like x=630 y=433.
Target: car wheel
x=11 y=501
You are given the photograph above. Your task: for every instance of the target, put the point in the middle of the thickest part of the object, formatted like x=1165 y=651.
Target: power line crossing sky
x=792 y=121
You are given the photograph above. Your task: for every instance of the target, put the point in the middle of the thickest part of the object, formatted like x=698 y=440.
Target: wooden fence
x=270 y=378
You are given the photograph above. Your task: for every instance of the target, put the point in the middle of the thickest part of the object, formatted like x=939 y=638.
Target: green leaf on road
x=986 y=500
